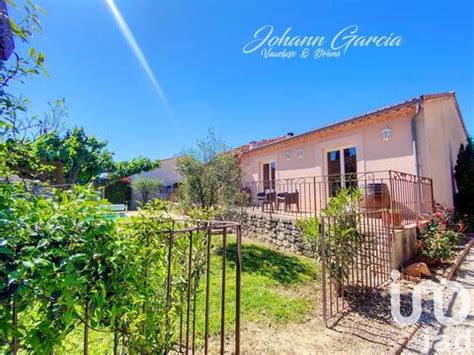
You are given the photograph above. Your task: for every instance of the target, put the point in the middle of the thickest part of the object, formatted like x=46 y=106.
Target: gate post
x=323 y=271
x=238 y=268
x=315 y=197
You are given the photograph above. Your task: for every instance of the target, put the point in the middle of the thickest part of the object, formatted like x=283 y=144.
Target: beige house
x=420 y=136
x=168 y=173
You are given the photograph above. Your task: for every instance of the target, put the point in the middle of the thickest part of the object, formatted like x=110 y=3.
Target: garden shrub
x=145 y=241
x=341 y=206
x=311 y=233
x=341 y=235
x=63 y=264
x=118 y=193
x=439 y=237
x=56 y=259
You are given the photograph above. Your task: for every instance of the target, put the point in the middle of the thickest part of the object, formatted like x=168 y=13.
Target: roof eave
x=341 y=124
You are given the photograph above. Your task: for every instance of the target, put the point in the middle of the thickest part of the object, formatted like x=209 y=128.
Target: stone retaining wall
x=281 y=231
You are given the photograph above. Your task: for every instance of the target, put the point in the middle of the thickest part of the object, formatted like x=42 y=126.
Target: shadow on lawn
x=283 y=268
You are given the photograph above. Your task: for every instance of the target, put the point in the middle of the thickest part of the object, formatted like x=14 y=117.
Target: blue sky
x=195 y=51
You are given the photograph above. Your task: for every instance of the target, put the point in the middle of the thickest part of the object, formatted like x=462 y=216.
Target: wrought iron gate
x=187 y=332
x=356 y=257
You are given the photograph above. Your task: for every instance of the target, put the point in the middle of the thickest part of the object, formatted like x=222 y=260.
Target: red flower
x=438 y=214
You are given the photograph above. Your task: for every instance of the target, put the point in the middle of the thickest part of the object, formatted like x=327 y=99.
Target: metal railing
x=407 y=197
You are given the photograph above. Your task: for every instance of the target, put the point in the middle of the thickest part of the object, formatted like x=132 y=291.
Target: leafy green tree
x=212 y=177
x=146 y=187
x=133 y=167
x=16 y=70
x=73 y=157
x=35 y=147
x=464 y=175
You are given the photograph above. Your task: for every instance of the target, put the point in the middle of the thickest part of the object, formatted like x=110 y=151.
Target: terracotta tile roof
x=356 y=119
x=259 y=144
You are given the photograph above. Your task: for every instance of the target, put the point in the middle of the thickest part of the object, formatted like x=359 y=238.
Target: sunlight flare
x=135 y=47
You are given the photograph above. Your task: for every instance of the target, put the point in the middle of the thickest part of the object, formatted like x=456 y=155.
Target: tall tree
x=464 y=175
x=75 y=157
x=20 y=66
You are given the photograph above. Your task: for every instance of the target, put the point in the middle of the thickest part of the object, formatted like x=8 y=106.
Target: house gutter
x=419 y=102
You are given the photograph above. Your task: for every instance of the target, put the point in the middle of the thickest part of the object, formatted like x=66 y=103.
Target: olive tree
x=212 y=176
x=146 y=187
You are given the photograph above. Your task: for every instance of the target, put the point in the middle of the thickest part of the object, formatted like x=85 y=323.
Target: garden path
x=432 y=337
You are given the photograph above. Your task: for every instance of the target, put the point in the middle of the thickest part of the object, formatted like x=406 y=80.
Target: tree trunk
x=123 y=343
x=14 y=344
x=86 y=329
x=116 y=342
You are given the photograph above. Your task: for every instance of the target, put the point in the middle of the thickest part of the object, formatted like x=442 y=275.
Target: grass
x=99 y=342
x=274 y=286
x=277 y=288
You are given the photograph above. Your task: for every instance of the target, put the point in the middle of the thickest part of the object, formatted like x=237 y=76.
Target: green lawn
x=272 y=286
x=277 y=288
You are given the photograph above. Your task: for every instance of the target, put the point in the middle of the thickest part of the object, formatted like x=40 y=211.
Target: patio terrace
x=406 y=198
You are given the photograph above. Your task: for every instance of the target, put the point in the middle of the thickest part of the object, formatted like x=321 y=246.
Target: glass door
x=269 y=173
x=342 y=169
x=350 y=168
x=334 y=172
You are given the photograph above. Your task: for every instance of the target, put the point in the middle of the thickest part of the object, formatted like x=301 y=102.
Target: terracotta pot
x=392 y=218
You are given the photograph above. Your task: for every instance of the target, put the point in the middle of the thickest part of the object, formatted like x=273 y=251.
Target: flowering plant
x=440 y=234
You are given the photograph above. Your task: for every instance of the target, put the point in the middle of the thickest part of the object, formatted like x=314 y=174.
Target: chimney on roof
x=252 y=145
x=290 y=134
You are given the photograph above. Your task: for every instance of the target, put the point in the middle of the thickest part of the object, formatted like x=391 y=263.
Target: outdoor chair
x=288 y=199
x=267 y=198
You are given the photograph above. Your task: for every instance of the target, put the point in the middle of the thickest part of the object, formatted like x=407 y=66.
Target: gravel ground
x=367 y=329
x=433 y=337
